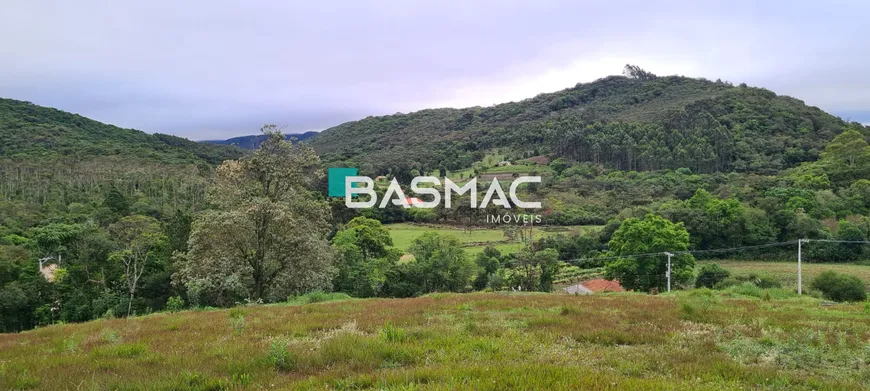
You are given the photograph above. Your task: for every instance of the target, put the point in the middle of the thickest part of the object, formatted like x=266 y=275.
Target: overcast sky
x=216 y=69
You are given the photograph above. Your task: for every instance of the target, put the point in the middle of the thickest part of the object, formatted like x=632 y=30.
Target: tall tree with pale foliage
x=140 y=239
x=266 y=236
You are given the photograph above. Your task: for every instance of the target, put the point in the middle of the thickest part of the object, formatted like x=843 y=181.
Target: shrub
x=237 y=320
x=840 y=287
x=710 y=275
x=280 y=356
x=175 y=304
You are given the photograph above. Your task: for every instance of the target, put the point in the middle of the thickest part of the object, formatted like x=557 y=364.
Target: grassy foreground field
x=486 y=341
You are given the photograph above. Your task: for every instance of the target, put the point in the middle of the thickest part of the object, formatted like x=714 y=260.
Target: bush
x=174 y=304
x=710 y=275
x=840 y=287
x=280 y=356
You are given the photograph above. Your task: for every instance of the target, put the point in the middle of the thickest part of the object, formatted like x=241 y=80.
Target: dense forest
x=99 y=221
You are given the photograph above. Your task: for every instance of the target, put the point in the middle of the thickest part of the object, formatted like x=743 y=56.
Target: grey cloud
x=214 y=69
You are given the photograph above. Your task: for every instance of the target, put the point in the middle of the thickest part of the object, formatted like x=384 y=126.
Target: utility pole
x=669 y=269
x=800 y=280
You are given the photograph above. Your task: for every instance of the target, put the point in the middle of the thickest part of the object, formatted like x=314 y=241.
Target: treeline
x=367 y=265
x=59 y=182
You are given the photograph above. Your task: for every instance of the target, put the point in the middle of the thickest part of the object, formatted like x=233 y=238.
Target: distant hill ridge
x=28 y=130
x=634 y=122
x=253 y=141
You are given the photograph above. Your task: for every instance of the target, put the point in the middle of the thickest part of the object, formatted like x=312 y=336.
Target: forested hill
x=254 y=141
x=634 y=122
x=31 y=131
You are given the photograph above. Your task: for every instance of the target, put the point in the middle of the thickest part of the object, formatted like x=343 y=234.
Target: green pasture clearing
x=504 y=248
x=403 y=235
x=786 y=272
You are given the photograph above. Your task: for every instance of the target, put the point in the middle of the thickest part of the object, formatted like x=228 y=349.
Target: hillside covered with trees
x=638 y=121
x=31 y=131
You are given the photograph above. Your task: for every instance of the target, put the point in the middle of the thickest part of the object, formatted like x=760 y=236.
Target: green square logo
x=336 y=180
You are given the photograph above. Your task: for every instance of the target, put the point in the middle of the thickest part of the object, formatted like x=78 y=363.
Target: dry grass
x=480 y=341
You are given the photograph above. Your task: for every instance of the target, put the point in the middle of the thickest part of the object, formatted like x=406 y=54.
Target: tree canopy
x=653 y=236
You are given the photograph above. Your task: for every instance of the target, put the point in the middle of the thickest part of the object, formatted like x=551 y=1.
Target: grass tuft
x=392 y=333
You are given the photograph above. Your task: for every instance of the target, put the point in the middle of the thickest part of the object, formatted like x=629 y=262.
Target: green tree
x=266 y=239
x=116 y=202
x=858 y=195
x=441 y=263
x=653 y=234
x=54 y=240
x=178 y=231
x=364 y=256
x=488 y=262
x=139 y=239
x=536 y=269
x=370 y=235
x=846 y=148
x=559 y=165
x=851 y=232
x=716 y=223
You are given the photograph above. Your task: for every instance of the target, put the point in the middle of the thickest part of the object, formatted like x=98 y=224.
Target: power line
x=737 y=248
x=836 y=241
x=687 y=251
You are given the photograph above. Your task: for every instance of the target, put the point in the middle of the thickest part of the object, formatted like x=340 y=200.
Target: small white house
x=47 y=270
